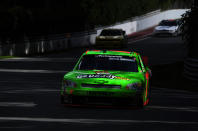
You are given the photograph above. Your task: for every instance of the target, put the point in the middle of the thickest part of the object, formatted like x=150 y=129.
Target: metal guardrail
x=48 y=43
x=60 y=36
x=191 y=69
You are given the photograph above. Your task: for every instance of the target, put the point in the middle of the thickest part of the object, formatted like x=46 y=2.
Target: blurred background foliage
x=19 y=18
x=190 y=30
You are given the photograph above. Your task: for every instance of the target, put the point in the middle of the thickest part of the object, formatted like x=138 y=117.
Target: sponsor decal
x=100 y=81
x=97 y=76
x=118 y=58
x=122 y=78
x=109 y=56
x=101 y=72
x=109 y=76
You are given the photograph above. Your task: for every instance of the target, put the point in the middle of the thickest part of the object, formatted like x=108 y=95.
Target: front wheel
x=175 y=34
x=62 y=99
x=65 y=99
x=140 y=102
x=70 y=100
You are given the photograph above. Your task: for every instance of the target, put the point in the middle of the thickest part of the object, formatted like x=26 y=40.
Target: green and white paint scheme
x=105 y=74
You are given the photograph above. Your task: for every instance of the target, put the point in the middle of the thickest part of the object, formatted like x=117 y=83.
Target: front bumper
x=100 y=96
x=72 y=99
x=106 y=93
x=164 y=32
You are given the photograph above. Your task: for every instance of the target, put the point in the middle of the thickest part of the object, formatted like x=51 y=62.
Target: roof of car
x=110 y=52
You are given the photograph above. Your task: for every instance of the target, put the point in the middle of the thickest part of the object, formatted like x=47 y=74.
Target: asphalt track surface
x=30 y=88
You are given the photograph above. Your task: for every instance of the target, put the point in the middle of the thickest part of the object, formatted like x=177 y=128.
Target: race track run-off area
x=30 y=95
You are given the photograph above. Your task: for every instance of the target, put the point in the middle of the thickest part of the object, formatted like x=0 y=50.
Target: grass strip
x=5 y=57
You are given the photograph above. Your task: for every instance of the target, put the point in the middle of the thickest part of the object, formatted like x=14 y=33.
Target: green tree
x=43 y=17
x=190 y=31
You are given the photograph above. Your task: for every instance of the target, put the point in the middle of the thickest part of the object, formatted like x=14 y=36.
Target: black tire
x=140 y=102
x=74 y=100
x=71 y=100
x=175 y=34
x=149 y=92
x=65 y=100
x=62 y=99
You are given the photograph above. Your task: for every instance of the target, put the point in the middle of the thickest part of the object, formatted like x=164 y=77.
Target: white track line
x=31 y=71
x=185 y=109
x=30 y=91
x=23 y=59
x=17 y=104
x=94 y=121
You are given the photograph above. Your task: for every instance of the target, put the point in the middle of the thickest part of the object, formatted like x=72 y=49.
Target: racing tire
x=149 y=92
x=176 y=34
x=62 y=99
x=75 y=100
x=65 y=100
x=140 y=102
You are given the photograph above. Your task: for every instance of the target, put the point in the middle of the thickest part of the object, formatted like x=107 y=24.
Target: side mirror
x=145 y=60
x=148 y=70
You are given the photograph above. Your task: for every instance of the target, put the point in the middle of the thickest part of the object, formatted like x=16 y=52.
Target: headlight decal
x=134 y=86
x=68 y=83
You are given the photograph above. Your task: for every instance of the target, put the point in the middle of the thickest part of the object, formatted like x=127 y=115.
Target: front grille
x=165 y=31
x=101 y=86
x=101 y=94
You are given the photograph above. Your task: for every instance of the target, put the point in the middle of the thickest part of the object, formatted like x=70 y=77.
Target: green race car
x=104 y=76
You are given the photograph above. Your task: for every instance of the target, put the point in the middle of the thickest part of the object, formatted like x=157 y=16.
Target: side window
x=138 y=64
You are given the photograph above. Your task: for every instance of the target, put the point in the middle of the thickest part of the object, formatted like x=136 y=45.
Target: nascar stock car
x=111 y=38
x=168 y=27
x=112 y=77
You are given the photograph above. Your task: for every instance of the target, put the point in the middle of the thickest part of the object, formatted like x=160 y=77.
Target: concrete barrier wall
x=146 y=21
x=46 y=46
x=152 y=20
x=62 y=42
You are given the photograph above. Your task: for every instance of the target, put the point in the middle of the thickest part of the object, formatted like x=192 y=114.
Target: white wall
x=146 y=21
x=60 y=43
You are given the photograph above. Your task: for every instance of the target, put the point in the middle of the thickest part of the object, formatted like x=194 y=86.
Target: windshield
x=108 y=62
x=111 y=33
x=168 y=23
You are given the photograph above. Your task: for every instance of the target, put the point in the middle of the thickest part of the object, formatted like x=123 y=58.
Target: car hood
x=104 y=77
x=166 y=27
